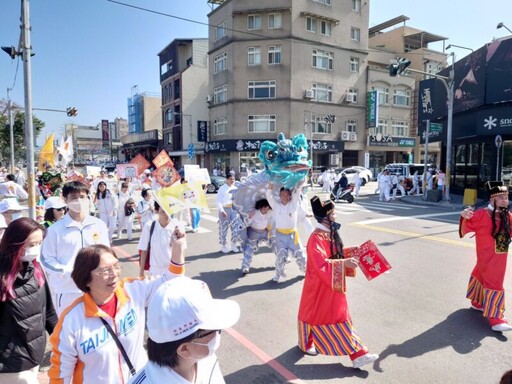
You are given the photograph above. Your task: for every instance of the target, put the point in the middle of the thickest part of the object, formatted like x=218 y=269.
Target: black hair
x=73 y=187
x=104 y=193
x=144 y=193
x=10 y=177
x=262 y=204
x=166 y=354
x=157 y=206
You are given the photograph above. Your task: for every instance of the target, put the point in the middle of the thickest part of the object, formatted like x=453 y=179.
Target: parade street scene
x=255 y=192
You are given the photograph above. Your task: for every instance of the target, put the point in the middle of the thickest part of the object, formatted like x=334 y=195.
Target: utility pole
x=29 y=131
x=425 y=168
x=11 y=130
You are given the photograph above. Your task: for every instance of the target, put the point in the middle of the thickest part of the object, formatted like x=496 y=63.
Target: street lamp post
x=501 y=25
x=458 y=46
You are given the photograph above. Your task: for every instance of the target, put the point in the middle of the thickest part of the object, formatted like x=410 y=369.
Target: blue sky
x=90 y=53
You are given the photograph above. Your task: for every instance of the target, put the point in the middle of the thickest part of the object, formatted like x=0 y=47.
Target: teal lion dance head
x=287 y=160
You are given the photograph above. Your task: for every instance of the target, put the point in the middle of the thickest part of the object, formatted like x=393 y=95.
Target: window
x=355 y=33
x=220 y=30
x=401 y=97
x=219 y=126
x=254 y=56
x=383 y=94
x=311 y=24
x=325 y=28
x=254 y=22
x=351 y=126
x=382 y=128
x=262 y=89
x=356 y=5
x=274 y=20
x=261 y=123
x=322 y=92
x=400 y=128
x=220 y=94
x=326 y=2
x=220 y=62
x=274 y=55
x=322 y=59
x=354 y=64
x=321 y=125
x=168 y=115
x=352 y=95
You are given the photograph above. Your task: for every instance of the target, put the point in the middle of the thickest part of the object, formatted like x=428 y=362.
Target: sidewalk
x=455 y=203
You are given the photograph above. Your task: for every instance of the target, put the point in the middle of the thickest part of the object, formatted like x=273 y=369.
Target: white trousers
x=24 y=377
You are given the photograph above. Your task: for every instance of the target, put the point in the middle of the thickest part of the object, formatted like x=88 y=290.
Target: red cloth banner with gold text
x=371 y=261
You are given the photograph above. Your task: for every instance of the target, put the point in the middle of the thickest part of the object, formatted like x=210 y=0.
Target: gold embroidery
x=501 y=243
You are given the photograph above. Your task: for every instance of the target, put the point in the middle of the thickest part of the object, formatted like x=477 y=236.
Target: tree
x=20 y=148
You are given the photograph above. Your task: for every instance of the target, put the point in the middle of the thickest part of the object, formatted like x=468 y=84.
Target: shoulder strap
x=151 y=234
x=119 y=345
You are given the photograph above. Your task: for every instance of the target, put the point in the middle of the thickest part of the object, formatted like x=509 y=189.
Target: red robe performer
x=324 y=322
x=491 y=226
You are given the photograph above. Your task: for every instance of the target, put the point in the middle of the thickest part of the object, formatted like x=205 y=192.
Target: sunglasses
x=60 y=209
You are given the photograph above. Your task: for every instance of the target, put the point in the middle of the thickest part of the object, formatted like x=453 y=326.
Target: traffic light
x=398 y=68
x=71 y=111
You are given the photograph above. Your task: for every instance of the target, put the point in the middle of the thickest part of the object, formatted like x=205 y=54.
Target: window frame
x=353 y=64
x=254 y=53
x=355 y=34
x=329 y=56
x=254 y=85
x=220 y=30
x=400 y=125
x=320 y=121
x=275 y=52
x=323 y=88
x=254 y=17
x=406 y=96
x=351 y=126
x=279 y=17
x=218 y=92
x=270 y=119
x=356 y=6
x=354 y=92
x=328 y=26
x=217 y=123
x=221 y=58
x=311 y=21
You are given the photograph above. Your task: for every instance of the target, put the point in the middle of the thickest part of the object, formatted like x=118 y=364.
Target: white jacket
x=82 y=349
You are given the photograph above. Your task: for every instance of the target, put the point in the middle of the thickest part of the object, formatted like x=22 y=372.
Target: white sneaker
x=234 y=248
x=503 y=327
x=311 y=351
x=225 y=249
x=277 y=278
x=245 y=271
x=365 y=359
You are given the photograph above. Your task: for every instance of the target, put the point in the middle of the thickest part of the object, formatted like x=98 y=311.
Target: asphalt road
x=416 y=316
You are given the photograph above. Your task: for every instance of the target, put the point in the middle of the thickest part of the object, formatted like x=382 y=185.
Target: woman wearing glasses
x=83 y=347
x=55 y=209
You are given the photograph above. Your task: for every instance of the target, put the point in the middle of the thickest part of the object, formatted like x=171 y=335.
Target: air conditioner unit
x=353 y=136
x=309 y=94
x=345 y=135
x=209 y=99
x=351 y=98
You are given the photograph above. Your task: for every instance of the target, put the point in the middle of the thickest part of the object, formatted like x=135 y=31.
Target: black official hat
x=496 y=188
x=321 y=210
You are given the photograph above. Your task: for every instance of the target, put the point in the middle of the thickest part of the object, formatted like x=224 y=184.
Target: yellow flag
x=182 y=196
x=47 y=155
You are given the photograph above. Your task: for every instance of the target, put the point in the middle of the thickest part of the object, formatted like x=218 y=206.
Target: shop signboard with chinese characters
x=379 y=140
x=254 y=145
x=372 y=109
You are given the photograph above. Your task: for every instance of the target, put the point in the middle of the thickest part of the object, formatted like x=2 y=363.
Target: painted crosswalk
x=349 y=209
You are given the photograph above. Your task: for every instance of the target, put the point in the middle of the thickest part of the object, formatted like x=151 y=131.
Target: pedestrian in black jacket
x=26 y=308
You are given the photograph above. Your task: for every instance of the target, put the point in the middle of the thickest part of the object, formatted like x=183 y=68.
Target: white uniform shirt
x=11 y=189
x=224 y=197
x=108 y=205
x=208 y=372
x=285 y=216
x=64 y=239
x=260 y=221
x=161 y=251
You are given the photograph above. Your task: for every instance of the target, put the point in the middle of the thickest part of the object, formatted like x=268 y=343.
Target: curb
x=441 y=204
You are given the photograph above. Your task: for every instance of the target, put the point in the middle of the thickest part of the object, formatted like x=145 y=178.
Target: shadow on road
x=463 y=330
x=263 y=374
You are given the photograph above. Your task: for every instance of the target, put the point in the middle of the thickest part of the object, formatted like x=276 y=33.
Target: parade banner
x=179 y=196
x=162 y=158
x=126 y=170
x=141 y=162
x=47 y=155
x=371 y=261
x=166 y=175
x=197 y=174
x=92 y=170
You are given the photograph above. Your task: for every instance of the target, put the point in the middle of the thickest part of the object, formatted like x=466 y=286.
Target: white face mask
x=213 y=345
x=32 y=253
x=79 y=206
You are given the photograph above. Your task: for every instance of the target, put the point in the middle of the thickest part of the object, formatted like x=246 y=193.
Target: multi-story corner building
x=184 y=81
x=88 y=144
x=287 y=66
x=395 y=136
x=144 y=126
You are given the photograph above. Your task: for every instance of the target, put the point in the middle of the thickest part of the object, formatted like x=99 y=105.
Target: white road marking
x=398 y=218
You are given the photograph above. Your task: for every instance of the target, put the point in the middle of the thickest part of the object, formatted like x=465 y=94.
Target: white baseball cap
x=54 y=202
x=3 y=223
x=182 y=306
x=11 y=204
x=147 y=171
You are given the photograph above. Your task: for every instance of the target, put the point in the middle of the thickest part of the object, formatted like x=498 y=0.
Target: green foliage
x=19 y=136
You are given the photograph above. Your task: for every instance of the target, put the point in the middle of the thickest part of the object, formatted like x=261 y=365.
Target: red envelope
x=371 y=261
